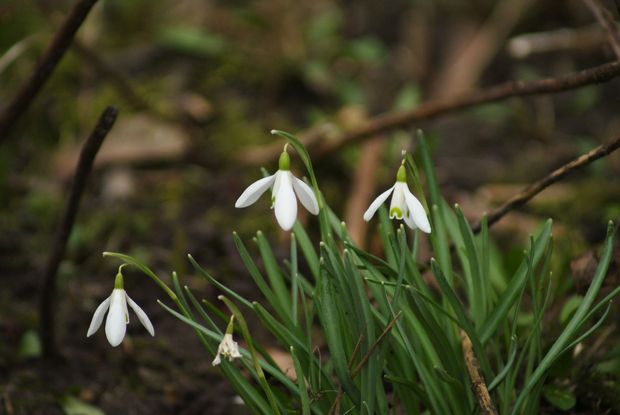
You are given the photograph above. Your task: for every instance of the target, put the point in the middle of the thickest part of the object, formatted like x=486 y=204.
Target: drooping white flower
x=228 y=348
x=404 y=206
x=118 y=315
x=285 y=189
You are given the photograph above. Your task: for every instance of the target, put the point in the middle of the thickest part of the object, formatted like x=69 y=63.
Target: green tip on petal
x=231 y=325
x=119 y=282
x=285 y=161
x=401 y=175
x=396 y=212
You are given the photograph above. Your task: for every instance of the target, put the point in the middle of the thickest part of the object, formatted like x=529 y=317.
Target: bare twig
x=335 y=408
x=48 y=290
x=355 y=351
x=435 y=108
x=606 y=20
x=478 y=385
x=533 y=189
x=54 y=52
x=565 y=39
x=370 y=351
x=104 y=68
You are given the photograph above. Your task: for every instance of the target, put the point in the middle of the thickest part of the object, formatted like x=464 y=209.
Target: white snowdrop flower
x=404 y=206
x=228 y=348
x=118 y=315
x=285 y=190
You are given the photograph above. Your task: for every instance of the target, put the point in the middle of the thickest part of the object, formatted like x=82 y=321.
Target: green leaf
x=271 y=398
x=331 y=322
x=462 y=317
x=29 y=345
x=413 y=387
x=303 y=391
x=218 y=284
x=590 y=330
x=573 y=325
x=569 y=307
x=258 y=278
x=74 y=406
x=276 y=280
x=514 y=290
x=477 y=292
x=307 y=248
x=502 y=374
x=429 y=171
x=367 y=49
x=561 y=398
x=250 y=394
x=193 y=41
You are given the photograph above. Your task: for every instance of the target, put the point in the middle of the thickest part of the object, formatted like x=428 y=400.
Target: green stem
x=128 y=260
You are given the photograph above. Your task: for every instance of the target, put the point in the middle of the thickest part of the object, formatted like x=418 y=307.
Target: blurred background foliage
x=199 y=81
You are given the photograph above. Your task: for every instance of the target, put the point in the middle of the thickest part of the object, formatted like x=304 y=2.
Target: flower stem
x=132 y=261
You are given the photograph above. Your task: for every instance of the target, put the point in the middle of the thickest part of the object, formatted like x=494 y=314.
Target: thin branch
x=564 y=39
x=606 y=20
x=376 y=343
x=335 y=408
x=434 y=108
x=478 y=385
x=54 y=52
x=533 y=189
x=84 y=167
x=118 y=79
x=355 y=351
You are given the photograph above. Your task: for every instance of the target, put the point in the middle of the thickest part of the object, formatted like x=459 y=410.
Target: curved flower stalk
x=285 y=190
x=404 y=206
x=118 y=315
x=228 y=348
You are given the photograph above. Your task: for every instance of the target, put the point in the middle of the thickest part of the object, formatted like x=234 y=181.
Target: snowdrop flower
x=118 y=316
x=285 y=189
x=405 y=206
x=228 y=348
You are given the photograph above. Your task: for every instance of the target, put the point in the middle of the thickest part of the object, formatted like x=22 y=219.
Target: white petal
x=409 y=221
x=254 y=191
x=276 y=182
x=416 y=210
x=116 y=323
x=235 y=353
x=398 y=207
x=306 y=195
x=144 y=319
x=286 y=203
x=125 y=309
x=217 y=360
x=374 y=206
x=95 y=323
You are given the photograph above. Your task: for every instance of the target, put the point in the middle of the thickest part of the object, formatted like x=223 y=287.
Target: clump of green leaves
x=391 y=328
